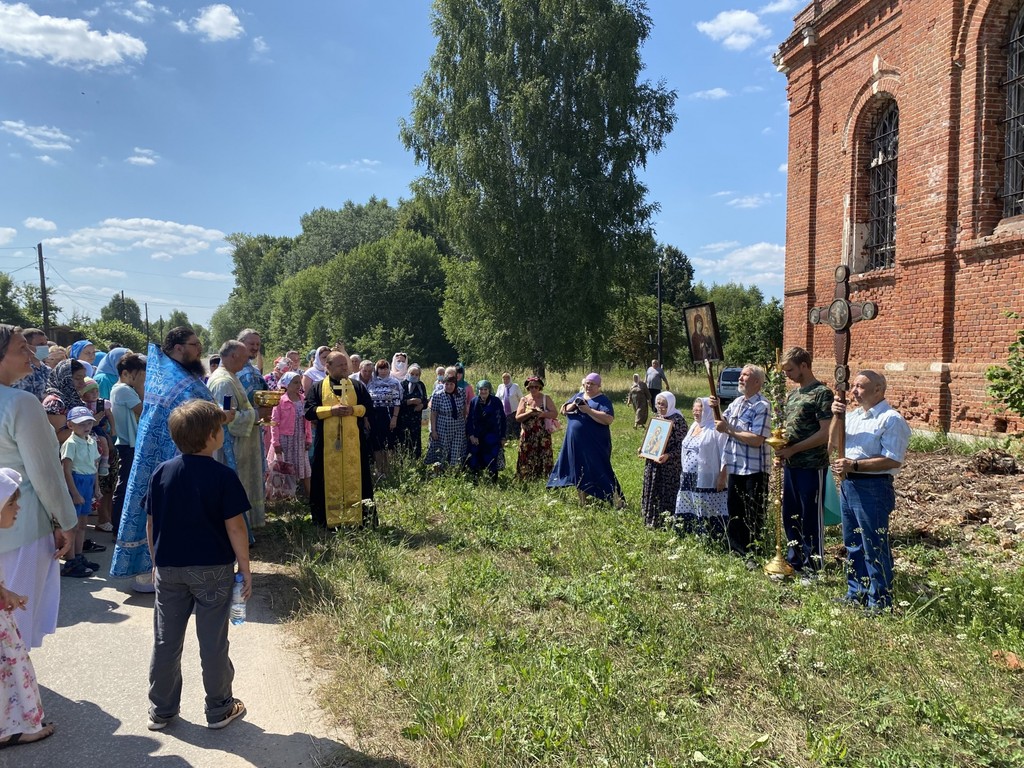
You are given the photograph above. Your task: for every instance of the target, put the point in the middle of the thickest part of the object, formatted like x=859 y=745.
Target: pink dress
x=22 y=708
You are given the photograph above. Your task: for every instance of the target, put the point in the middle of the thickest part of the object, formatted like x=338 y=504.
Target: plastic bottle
x=237 y=602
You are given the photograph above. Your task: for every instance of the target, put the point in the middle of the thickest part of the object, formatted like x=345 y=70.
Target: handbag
x=552 y=425
x=281 y=481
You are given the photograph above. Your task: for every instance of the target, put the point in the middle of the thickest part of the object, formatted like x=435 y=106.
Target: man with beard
x=341 y=469
x=174 y=374
x=242 y=448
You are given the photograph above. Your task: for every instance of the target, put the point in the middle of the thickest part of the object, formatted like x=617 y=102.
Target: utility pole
x=42 y=291
x=146 y=305
x=661 y=357
x=124 y=312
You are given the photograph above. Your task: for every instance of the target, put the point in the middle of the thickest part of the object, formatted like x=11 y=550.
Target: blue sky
x=134 y=136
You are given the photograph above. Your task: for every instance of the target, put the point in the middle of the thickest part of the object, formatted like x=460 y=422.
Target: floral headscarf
x=62 y=385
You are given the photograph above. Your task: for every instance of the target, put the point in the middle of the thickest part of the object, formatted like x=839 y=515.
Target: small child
x=103 y=431
x=80 y=457
x=196 y=532
x=22 y=720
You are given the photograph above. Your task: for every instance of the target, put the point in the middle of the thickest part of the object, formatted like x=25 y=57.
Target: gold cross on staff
x=840 y=315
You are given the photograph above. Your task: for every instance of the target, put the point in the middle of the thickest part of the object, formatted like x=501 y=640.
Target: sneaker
x=94 y=567
x=92 y=546
x=236 y=711
x=76 y=568
x=105 y=527
x=158 y=723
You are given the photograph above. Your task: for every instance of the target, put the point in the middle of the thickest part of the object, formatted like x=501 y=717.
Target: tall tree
x=125 y=309
x=326 y=232
x=11 y=311
x=532 y=124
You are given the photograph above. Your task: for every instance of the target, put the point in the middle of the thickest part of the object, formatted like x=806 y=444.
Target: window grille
x=1013 y=162
x=881 y=244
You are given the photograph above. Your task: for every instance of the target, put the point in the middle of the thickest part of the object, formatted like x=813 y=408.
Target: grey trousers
x=179 y=591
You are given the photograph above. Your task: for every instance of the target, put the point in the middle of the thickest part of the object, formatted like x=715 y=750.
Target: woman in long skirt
x=661 y=476
x=702 y=501
x=534 y=414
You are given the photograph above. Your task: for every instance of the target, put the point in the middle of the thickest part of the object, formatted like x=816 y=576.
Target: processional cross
x=840 y=315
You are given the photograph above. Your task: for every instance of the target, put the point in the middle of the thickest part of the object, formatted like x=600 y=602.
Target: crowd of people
x=140 y=435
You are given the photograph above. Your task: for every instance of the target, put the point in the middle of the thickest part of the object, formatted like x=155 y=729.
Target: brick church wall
x=959 y=265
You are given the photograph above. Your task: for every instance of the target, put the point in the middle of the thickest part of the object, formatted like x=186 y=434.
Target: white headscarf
x=670 y=400
x=710 y=447
x=318 y=371
x=399 y=368
x=10 y=481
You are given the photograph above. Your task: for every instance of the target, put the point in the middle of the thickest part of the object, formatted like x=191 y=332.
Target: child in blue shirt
x=196 y=532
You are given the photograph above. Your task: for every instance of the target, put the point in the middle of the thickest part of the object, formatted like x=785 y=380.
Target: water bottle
x=237 y=602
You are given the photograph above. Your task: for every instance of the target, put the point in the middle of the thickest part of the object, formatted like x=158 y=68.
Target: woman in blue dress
x=585 y=460
x=485 y=432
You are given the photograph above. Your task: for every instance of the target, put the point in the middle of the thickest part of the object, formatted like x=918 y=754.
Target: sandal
x=28 y=738
x=92 y=546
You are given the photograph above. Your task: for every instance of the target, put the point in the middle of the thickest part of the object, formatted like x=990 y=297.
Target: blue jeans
x=867 y=504
x=179 y=591
x=803 y=517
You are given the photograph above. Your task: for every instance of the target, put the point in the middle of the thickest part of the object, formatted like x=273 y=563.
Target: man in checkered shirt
x=747 y=422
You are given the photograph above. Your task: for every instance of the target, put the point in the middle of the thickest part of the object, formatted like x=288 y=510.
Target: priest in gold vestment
x=341 y=478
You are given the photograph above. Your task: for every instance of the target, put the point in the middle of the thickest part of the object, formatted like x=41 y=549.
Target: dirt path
x=93 y=676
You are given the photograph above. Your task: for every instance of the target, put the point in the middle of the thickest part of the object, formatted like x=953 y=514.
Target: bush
x=1006 y=382
x=115 y=333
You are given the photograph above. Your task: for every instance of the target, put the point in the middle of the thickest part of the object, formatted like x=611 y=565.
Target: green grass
x=509 y=626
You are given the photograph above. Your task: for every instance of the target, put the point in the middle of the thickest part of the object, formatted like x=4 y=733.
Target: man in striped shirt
x=747 y=422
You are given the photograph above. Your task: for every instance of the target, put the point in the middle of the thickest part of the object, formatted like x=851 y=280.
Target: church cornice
x=826 y=27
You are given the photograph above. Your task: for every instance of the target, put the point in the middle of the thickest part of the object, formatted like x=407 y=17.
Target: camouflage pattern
x=805 y=407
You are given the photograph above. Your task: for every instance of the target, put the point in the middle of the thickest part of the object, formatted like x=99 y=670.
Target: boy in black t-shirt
x=196 y=531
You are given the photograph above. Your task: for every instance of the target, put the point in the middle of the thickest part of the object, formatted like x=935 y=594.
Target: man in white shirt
x=876 y=444
x=509 y=395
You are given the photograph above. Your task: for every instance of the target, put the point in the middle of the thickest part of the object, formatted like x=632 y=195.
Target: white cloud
x=215 y=23
x=43 y=225
x=143 y=157
x=784 y=168
x=736 y=30
x=47 y=160
x=718 y=247
x=259 y=45
x=724 y=193
x=750 y=201
x=762 y=264
x=212 y=276
x=7 y=234
x=161 y=256
x=364 y=165
x=97 y=272
x=711 y=95
x=114 y=236
x=782 y=6
x=38 y=136
x=63 y=41
x=753 y=88
x=141 y=12
x=225 y=250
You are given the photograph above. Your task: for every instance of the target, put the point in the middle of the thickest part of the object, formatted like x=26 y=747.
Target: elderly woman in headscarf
x=637 y=399
x=661 y=475
x=585 y=460
x=317 y=371
x=410 y=417
x=447 y=444
x=702 y=500
x=485 y=432
x=106 y=371
x=85 y=352
x=63 y=392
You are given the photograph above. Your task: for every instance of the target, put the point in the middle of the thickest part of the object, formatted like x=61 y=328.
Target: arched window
x=1013 y=161
x=885 y=141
